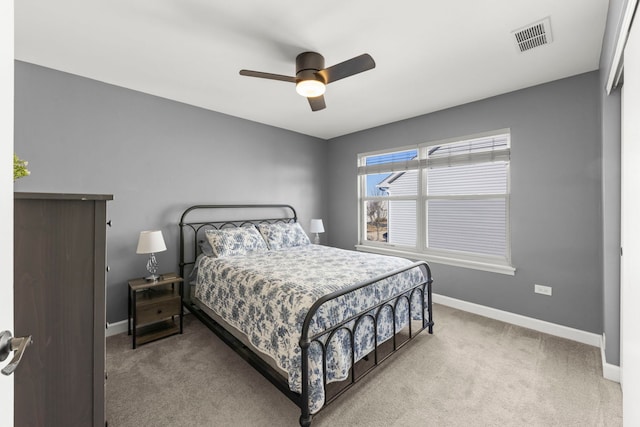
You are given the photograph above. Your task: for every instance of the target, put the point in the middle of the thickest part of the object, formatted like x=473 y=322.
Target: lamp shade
x=316 y=226
x=151 y=242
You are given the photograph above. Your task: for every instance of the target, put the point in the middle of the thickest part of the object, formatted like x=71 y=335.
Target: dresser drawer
x=155 y=311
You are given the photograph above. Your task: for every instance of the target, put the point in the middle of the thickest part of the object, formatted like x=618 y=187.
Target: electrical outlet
x=542 y=289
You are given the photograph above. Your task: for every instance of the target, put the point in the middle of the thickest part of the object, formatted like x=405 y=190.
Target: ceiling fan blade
x=269 y=76
x=348 y=68
x=317 y=103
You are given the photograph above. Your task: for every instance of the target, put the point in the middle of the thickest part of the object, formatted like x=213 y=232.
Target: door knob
x=9 y=344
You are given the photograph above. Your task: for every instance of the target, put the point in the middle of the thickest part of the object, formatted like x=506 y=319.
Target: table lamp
x=151 y=242
x=316 y=227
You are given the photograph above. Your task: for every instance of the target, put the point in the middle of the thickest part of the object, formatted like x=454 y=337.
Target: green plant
x=19 y=168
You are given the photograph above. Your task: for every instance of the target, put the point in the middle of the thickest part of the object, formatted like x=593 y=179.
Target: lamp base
x=152 y=267
x=316 y=240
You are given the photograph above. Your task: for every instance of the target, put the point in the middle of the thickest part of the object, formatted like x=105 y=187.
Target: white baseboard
x=519 y=320
x=116 y=328
x=609 y=371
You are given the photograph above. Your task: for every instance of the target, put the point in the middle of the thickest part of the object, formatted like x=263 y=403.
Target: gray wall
x=611 y=128
x=555 y=198
x=156 y=157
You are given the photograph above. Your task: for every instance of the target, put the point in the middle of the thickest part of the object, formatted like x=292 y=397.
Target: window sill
x=438 y=259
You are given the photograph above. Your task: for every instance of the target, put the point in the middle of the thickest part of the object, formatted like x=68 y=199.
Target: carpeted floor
x=471 y=371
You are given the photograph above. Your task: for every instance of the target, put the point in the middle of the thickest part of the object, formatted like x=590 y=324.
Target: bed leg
x=430 y=302
x=305 y=421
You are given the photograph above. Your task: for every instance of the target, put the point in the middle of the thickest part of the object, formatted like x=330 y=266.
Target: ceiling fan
x=311 y=77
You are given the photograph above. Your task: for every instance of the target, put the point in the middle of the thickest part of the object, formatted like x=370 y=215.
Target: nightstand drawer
x=158 y=310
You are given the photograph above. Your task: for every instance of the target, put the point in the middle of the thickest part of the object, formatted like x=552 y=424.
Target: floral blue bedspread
x=267 y=296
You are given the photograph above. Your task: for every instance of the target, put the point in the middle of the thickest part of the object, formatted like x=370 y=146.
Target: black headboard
x=195 y=220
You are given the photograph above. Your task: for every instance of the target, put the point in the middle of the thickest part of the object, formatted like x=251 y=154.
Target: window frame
x=496 y=264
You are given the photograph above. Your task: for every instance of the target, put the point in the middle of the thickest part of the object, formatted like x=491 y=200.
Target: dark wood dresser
x=59 y=299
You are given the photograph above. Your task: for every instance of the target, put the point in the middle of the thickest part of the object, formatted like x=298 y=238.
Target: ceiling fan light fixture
x=310 y=88
x=312 y=77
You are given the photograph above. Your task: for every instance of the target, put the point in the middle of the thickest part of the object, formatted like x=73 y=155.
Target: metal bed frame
x=191 y=233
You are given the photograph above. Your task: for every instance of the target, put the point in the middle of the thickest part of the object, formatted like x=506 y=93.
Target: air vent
x=533 y=35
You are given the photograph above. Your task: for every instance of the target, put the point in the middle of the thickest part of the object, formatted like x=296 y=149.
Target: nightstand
x=153 y=308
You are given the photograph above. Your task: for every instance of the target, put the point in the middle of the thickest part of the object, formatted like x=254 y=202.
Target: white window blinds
x=397 y=161
x=470 y=151
x=467 y=186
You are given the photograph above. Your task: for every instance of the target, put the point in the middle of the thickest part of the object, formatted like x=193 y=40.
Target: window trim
x=486 y=265
x=502 y=265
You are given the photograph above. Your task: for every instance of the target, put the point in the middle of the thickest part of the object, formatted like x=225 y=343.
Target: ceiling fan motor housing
x=307 y=66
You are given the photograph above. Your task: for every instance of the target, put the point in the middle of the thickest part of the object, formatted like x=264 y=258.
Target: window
x=444 y=201
x=391 y=194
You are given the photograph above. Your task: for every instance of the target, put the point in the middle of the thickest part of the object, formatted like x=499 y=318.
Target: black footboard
x=423 y=289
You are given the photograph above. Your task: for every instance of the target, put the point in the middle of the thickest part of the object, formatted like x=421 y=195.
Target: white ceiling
x=430 y=55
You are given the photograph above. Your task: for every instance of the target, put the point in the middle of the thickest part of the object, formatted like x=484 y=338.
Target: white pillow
x=281 y=235
x=236 y=241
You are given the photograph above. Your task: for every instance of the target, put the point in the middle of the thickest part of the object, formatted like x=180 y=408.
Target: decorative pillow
x=205 y=247
x=236 y=241
x=280 y=235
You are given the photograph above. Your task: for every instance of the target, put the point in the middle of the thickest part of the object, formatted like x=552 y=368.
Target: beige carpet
x=473 y=371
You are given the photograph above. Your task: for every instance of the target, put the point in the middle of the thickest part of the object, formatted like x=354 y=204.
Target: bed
x=311 y=319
